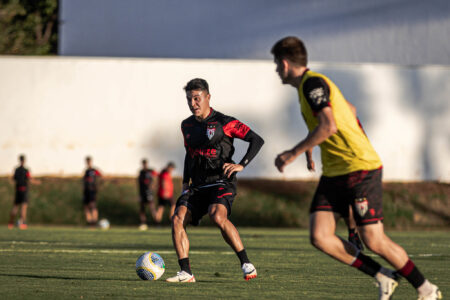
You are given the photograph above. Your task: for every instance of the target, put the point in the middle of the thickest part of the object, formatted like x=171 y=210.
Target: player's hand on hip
x=229 y=168
x=283 y=159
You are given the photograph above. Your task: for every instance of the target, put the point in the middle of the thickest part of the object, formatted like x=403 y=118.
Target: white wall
x=410 y=32
x=58 y=110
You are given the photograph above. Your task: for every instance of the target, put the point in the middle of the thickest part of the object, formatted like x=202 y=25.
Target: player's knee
x=177 y=221
x=217 y=219
x=317 y=239
x=374 y=244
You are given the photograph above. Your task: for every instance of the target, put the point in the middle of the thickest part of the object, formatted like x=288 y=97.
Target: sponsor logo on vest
x=362 y=205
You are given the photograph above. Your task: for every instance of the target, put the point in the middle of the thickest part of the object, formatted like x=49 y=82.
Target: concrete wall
x=58 y=110
x=409 y=32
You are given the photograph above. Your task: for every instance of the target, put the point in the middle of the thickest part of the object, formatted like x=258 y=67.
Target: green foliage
x=267 y=203
x=28 y=27
x=77 y=263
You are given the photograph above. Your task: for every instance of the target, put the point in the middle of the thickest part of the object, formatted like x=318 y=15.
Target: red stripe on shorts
x=223 y=195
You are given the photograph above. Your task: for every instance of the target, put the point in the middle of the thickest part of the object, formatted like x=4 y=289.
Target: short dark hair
x=22 y=158
x=171 y=164
x=197 y=84
x=88 y=158
x=291 y=48
x=144 y=161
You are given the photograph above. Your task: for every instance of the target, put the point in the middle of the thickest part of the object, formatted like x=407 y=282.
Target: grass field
x=78 y=263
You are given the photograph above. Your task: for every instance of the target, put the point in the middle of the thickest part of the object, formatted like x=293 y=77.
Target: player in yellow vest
x=351 y=175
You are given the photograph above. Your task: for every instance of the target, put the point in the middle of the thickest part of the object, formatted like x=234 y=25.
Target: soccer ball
x=150 y=266
x=103 y=224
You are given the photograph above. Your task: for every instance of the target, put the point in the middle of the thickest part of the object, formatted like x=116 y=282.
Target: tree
x=28 y=27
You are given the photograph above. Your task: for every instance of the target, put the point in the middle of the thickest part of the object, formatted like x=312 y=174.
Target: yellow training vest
x=347 y=150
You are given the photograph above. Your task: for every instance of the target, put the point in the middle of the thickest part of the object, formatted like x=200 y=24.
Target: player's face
x=198 y=102
x=282 y=70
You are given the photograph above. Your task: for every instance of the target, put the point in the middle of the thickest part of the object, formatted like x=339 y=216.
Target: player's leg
x=23 y=216
x=218 y=213
x=322 y=236
x=12 y=215
x=94 y=211
x=159 y=213
x=180 y=241
x=322 y=232
x=87 y=214
x=142 y=214
x=353 y=236
x=378 y=242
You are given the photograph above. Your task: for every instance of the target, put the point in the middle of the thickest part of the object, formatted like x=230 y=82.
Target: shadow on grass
x=62 y=277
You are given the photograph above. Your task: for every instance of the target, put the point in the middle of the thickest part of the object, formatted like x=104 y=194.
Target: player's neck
x=297 y=76
x=204 y=116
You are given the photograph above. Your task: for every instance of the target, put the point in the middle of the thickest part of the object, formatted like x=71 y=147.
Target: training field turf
x=78 y=263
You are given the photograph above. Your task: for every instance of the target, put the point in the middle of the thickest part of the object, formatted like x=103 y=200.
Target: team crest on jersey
x=210 y=131
x=362 y=205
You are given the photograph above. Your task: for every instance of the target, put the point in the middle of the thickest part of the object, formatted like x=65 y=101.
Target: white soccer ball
x=103 y=224
x=150 y=266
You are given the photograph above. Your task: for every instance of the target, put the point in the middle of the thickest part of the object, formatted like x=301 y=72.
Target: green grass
x=78 y=263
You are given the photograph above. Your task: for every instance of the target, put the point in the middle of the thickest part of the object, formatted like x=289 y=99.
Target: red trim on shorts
x=223 y=195
x=323 y=206
x=371 y=220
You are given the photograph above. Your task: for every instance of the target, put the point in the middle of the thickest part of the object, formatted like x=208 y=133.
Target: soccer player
x=22 y=178
x=146 y=181
x=351 y=175
x=209 y=177
x=90 y=184
x=165 y=192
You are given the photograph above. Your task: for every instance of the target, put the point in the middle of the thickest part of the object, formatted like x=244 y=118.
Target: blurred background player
x=146 y=181
x=22 y=178
x=165 y=192
x=352 y=173
x=90 y=186
x=209 y=176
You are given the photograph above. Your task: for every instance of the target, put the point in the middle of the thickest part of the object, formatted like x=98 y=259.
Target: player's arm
x=239 y=130
x=317 y=94
x=186 y=174
x=309 y=161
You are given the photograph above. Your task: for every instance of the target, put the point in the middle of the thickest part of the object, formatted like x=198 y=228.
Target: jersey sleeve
x=97 y=173
x=236 y=129
x=317 y=93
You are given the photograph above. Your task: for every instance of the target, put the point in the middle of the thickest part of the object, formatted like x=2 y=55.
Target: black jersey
x=209 y=145
x=90 y=179
x=145 y=179
x=21 y=177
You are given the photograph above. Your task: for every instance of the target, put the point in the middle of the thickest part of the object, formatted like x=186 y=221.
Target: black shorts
x=198 y=200
x=146 y=196
x=361 y=189
x=89 y=197
x=21 y=197
x=164 y=201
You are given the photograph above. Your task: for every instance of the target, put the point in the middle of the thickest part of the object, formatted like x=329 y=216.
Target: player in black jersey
x=209 y=178
x=146 y=180
x=22 y=178
x=90 y=187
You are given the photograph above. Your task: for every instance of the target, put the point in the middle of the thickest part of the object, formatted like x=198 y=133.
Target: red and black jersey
x=209 y=145
x=90 y=179
x=21 y=177
x=146 y=177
